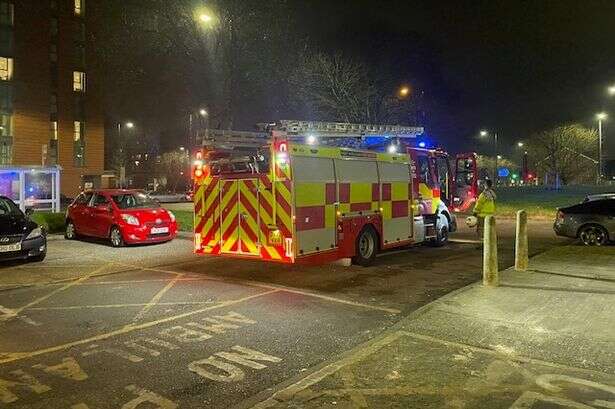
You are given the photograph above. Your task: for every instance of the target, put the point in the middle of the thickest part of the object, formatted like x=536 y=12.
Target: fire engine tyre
x=441 y=239
x=366 y=247
x=115 y=237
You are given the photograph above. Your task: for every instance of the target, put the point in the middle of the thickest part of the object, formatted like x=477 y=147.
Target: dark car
x=20 y=237
x=592 y=222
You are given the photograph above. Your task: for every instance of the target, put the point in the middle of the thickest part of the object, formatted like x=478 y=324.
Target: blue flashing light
x=422 y=144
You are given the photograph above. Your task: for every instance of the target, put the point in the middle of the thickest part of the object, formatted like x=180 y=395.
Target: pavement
x=542 y=339
x=157 y=327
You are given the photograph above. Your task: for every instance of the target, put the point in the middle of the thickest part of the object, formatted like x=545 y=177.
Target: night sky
x=515 y=67
x=511 y=66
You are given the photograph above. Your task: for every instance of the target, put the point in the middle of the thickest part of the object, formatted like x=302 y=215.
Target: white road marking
x=24 y=380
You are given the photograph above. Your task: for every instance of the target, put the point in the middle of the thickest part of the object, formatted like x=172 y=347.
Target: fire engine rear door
x=239 y=217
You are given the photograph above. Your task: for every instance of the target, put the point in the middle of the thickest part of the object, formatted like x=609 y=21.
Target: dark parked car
x=592 y=222
x=20 y=237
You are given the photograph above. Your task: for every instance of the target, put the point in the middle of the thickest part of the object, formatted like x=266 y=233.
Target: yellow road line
x=57 y=290
x=83 y=307
x=156 y=298
x=6 y=357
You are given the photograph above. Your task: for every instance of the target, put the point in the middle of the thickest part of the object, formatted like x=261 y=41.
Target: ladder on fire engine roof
x=328 y=133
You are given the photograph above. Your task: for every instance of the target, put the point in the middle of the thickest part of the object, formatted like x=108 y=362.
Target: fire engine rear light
x=198 y=173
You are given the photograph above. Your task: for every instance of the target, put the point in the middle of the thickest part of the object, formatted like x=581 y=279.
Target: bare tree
x=566 y=154
x=338 y=88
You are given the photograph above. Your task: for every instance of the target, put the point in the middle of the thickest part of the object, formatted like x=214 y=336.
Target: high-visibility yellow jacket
x=485 y=205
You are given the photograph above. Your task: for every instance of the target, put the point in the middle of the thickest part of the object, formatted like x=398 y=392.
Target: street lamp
x=128 y=125
x=611 y=90
x=203 y=112
x=404 y=91
x=206 y=18
x=483 y=134
x=601 y=116
x=520 y=144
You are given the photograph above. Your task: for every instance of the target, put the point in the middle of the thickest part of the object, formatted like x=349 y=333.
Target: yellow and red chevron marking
x=248 y=222
x=229 y=216
x=209 y=218
x=266 y=207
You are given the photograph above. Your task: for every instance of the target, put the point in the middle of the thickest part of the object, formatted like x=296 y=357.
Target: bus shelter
x=37 y=187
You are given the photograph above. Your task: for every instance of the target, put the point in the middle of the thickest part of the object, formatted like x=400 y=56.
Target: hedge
x=52 y=222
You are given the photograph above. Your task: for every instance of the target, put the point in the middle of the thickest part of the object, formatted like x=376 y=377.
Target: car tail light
x=560 y=216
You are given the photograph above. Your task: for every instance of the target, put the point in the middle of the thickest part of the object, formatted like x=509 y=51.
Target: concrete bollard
x=490 y=254
x=521 y=250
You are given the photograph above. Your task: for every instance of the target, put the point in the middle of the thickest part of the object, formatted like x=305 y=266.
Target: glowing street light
x=206 y=18
x=404 y=91
x=311 y=140
x=203 y=112
x=520 y=144
x=392 y=148
x=484 y=133
x=499 y=157
x=611 y=90
x=130 y=125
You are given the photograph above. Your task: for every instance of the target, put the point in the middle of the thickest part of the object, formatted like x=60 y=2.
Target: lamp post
x=600 y=117
x=128 y=125
x=495 y=154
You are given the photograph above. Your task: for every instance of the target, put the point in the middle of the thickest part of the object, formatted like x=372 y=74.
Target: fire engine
x=315 y=192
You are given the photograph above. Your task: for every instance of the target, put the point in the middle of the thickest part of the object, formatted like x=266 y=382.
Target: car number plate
x=158 y=230
x=10 y=247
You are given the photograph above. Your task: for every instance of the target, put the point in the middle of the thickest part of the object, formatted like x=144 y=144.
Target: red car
x=122 y=216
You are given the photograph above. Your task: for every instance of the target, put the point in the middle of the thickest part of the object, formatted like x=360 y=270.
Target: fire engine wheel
x=441 y=239
x=367 y=247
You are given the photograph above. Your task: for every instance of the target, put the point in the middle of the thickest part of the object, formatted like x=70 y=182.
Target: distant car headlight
x=37 y=232
x=171 y=215
x=130 y=219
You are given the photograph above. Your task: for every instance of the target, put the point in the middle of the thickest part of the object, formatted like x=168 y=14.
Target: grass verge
x=185 y=218
x=542 y=202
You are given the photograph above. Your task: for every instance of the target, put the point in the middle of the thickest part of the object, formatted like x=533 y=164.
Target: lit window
x=79 y=81
x=78 y=134
x=53 y=134
x=6 y=69
x=6 y=13
x=79 y=7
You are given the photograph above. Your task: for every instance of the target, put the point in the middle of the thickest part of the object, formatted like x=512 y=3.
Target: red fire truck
x=309 y=192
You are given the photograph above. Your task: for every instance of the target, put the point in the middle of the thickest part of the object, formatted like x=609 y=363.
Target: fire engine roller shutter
x=395 y=203
x=314 y=190
x=356 y=180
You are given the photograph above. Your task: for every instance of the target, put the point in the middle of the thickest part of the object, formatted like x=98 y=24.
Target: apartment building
x=50 y=102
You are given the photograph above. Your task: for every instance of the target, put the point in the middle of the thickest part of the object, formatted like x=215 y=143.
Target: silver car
x=592 y=222
x=599 y=196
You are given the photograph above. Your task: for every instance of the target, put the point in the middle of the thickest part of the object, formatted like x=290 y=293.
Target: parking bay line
x=16 y=311
x=7 y=357
x=157 y=298
x=85 y=307
x=282 y=288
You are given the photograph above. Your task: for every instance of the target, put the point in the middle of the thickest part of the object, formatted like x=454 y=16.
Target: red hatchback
x=122 y=216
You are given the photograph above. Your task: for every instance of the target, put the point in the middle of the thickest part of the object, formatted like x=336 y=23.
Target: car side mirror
x=29 y=211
